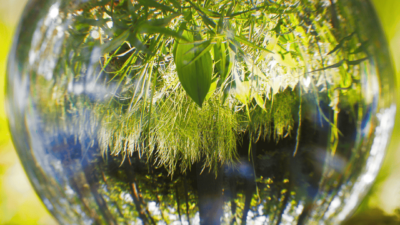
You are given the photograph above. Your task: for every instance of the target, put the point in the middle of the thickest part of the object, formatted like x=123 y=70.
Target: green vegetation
x=185 y=80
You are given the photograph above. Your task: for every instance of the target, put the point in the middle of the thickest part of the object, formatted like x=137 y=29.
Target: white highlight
x=110 y=24
x=54 y=11
x=95 y=34
x=307 y=81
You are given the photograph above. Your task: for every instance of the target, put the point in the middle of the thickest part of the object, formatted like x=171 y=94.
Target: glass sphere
x=200 y=112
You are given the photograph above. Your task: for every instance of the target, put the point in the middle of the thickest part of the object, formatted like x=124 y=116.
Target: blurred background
x=20 y=205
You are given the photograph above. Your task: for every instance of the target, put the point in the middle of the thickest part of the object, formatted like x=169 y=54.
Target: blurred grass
x=20 y=205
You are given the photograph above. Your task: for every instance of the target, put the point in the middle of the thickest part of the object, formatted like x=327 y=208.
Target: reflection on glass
x=200 y=112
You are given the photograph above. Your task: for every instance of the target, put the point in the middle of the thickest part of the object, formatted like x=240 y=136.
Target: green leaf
x=197 y=49
x=213 y=87
x=93 y=22
x=361 y=48
x=259 y=101
x=286 y=60
x=336 y=65
x=253 y=68
x=207 y=20
x=115 y=42
x=230 y=10
x=198 y=45
x=246 y=11
x=356 y=62
x=136 y=40
x=162 y=22
x=195 y=78
x=176 y=4
x=131 y=8
x=224 y=58
x=339 y=46
x=246 y=42
x=220 y=25
x=209 y=12
x=159 y=30
x=242 y=91
x=152 y=3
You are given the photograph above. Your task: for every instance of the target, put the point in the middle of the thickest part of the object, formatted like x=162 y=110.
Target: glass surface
x=200 y=112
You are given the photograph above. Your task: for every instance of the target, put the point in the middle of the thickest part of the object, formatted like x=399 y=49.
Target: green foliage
x=177 y=130
x=194 y=68
x=239 y=61
x=224 y=58
x=276 y=119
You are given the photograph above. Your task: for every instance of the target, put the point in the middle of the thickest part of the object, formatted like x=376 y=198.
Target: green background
x=20 y=205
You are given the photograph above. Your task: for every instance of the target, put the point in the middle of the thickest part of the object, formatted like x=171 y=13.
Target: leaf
x=246 y=11
x=115 y=42
x=197 y=49
x=176 y=4
x=160 y=30
x=152 y=3
x=336 y=48
x=254 y=69
x=162 y=22
x=336 y=65
x=207 y=20
x=361 y=48
x=259 y=101
x=246 y=42
x=213 y=87
x=356 y=62
x=242 y=91
x=209 y=12
x=131 y=8
x=235 y=46
x=206 y=3
x=230 y=10
x=276 y=85
x=224 y=59
x=196 y=77
x=93 y=22
x=286 y=60
x=339 y=46
x=220 y=25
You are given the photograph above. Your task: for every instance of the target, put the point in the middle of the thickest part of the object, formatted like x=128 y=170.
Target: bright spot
x=95 y=34
x=261 y=220
x=299 y=209
x=69 y=191
x=126 y=197
x=287 y=218
x=335 y=203
x=110 y=24
x=260 y=210
x=196 y=219
x=368 y=178
x=53 y=12
x=272 y=64
x=307 y=81
x=153 y=208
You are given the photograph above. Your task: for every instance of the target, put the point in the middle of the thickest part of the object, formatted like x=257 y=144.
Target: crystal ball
x=200 y=112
